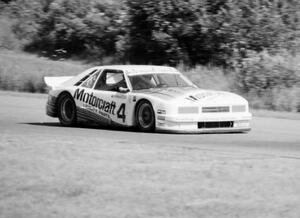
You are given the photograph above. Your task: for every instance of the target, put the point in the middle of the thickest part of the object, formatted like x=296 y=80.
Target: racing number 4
x=121 y=112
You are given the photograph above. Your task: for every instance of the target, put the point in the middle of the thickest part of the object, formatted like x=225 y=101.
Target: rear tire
x=145 y=117
x=66 y=110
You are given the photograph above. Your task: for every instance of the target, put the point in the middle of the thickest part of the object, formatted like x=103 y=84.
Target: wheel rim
x=67 y=110
x=145 y=116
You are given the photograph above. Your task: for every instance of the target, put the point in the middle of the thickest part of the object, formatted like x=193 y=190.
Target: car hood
x=188 y=95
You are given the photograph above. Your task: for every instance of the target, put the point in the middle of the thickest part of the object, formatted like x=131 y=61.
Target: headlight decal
x=160 y=111
x=161 y=117
x=188 y=110
x=238 y=108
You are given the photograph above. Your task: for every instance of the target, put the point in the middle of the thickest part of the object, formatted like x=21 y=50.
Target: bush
x=270 y=82
x=262 y=72
x=208 y=77
x=286 y=99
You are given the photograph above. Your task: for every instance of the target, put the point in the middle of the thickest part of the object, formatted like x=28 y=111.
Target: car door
x=111 y=97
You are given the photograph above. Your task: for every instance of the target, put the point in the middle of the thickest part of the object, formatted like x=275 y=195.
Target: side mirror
x=123 y=90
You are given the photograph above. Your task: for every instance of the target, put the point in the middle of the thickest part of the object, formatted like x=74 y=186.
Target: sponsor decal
x=89 y=98
x=99 y=105
x=95 y=110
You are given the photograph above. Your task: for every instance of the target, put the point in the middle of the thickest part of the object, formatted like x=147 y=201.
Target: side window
x=111 y=80
x=84 y=78
x=89 y=83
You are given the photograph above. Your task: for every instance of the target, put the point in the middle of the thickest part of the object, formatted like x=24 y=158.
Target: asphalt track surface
x=47 y=170
x=24 y=114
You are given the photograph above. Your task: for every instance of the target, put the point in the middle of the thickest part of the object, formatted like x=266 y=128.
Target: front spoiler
x=207 y=131
x=239 y=124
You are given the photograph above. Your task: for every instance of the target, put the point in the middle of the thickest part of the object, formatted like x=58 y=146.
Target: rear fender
x=55 y=81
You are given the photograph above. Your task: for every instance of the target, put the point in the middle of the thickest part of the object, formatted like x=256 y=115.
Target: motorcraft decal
x=90 y=99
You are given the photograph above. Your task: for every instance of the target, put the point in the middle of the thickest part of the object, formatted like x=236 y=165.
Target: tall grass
x=210 y=77
x=271 y=81
x=23 y=72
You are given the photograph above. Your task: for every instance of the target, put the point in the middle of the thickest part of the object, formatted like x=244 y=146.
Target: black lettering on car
x=78 y=94
x=121 y=112
x=107 y=105
x=94 y=101
x=112 y=107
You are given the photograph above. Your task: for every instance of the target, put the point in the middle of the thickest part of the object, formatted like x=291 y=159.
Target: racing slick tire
x=145 y=117
x=66 y=110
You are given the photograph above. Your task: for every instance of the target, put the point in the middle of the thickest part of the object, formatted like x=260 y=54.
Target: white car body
x=177 y=109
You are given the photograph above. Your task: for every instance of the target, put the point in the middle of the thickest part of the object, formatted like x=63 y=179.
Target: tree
x=75 y=26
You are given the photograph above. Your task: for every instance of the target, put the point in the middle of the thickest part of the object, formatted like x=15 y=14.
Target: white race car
x=148 y=97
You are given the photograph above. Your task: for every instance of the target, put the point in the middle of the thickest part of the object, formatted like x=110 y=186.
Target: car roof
x=140 y=69
x=129 y=70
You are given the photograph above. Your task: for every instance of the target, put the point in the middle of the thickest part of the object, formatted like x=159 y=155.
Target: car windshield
x=161 y=80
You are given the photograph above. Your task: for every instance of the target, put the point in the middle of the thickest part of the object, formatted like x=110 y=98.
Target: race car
x=151 y=98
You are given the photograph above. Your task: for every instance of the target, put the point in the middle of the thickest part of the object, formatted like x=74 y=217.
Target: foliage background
x=248 y=46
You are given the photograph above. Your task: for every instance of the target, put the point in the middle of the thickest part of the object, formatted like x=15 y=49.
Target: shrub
x=208 y=77
x=262 y=71
x=286 y=99
x=270 y=82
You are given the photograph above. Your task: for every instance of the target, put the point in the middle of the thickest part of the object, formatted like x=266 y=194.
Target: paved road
x=47 y=170
x=24 y=114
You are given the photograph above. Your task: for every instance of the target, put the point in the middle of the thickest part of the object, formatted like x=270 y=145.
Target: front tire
x=67 y=110
x=145 y=117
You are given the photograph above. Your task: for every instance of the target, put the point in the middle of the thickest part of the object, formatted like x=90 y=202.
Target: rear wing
x=55 y=81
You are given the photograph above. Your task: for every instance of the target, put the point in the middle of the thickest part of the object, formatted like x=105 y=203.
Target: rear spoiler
x=54 y=81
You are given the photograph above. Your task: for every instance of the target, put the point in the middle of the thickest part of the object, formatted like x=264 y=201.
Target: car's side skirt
x=86 y=115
